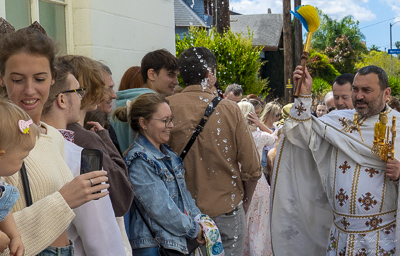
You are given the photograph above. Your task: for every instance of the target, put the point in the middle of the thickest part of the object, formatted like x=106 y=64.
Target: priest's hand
x=393 y=169
x=307 y=84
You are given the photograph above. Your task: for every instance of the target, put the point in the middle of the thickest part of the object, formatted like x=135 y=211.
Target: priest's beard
x=374 y=106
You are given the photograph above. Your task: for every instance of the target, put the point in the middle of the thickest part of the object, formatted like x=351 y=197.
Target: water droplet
x=228 y=159
x=225 y=140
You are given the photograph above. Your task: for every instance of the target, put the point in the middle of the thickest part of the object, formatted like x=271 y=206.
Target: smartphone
x=91 y=160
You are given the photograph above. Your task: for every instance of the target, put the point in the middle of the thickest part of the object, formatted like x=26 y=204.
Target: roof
x=267 y=28
x=185 y=16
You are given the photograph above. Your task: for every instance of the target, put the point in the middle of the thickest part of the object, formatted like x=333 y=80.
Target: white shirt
x=94 y=230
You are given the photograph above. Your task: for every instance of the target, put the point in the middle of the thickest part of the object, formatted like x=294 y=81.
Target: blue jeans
x=58 y=251
x=151 y=251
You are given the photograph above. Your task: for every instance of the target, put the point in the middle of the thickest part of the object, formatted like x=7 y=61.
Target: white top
x=94 y=230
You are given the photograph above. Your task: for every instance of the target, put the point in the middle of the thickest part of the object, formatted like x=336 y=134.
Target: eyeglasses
x=167 y=121
x=80 y=92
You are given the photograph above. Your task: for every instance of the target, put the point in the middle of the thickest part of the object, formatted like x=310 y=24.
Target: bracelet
x=306 y=96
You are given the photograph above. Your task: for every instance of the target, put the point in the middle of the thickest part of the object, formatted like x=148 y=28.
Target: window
x=208 y=7
x=49 y=13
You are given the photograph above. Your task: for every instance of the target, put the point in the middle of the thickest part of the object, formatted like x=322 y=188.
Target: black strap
x=25 y=183
x=210 y=109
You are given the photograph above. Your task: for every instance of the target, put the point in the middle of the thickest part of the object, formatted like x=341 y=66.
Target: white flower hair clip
x=24 y=126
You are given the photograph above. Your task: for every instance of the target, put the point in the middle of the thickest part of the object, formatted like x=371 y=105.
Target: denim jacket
x=159 y=185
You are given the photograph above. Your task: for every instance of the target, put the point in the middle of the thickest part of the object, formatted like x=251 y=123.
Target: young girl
x=17 y=137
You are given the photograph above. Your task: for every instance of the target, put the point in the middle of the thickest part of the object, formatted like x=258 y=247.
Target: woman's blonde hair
x=272 y=108
x=90 y=75
x=246 y=108
x=11 y=137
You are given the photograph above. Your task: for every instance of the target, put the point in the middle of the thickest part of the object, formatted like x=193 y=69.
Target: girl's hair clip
x=24 y=126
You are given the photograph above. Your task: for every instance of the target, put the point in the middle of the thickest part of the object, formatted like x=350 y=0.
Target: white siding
x=121 y=32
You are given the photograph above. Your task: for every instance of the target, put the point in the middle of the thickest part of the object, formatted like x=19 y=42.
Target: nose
x=359 y=96
x=29 y=87
x=176 y=80
x=113 y=94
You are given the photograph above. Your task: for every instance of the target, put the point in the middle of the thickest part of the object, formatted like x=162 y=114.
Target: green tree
x=374 y=48
x=331 y=29
x=342 y=56
x=319 y=66
x=397 y=43
x=238 y=61
x=380 y=59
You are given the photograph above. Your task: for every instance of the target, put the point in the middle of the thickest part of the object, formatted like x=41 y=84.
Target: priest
x=330 y=194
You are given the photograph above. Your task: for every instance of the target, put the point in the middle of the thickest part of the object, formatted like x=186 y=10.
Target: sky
x=375 y=16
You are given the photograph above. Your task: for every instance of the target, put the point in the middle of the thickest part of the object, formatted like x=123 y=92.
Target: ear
x=2 y=152
x=386 y=93
x=61 y=101
x=151 y=74
x=142 y=123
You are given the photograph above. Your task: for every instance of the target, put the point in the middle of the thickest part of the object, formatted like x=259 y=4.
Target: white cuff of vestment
x=301 y=109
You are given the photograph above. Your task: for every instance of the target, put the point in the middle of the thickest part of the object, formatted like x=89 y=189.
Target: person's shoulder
x=82 y=134
x=130 y=94
x=334 y=116
x=52 y=132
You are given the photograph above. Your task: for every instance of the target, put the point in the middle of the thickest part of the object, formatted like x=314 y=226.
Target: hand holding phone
x=91 y=160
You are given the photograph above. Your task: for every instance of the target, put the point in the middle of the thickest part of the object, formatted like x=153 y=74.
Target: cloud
x=335 y=9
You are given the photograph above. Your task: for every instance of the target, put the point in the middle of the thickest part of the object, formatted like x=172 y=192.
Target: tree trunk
x=287 y=43
x=221 y=16
x=298 y=40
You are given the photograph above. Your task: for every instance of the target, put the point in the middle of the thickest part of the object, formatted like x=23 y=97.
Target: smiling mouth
x=29 y=102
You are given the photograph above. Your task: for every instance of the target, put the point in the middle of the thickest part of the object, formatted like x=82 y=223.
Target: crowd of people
x=193 y=171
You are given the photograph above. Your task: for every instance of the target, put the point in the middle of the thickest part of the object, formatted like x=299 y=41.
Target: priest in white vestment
x=330 y=194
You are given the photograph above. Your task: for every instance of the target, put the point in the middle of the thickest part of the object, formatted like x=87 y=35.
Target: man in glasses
x=94 y=225
x=234 y=92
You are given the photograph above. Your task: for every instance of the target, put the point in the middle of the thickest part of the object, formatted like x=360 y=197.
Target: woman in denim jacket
x=157 y=175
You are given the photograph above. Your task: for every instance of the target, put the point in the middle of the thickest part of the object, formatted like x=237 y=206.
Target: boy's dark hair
x=194 y=63
x=157 y=60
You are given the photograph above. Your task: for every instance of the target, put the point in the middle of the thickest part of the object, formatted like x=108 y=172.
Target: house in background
x=188 y=14
x=267 y=33
x=266 y=28
x=119 y=33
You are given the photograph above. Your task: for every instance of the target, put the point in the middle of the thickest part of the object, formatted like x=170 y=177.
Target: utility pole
x=287 y=43
x=298 y=37
x=221 y=18
x=391 y=55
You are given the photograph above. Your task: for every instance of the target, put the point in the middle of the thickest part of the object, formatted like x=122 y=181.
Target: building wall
x=121 y=32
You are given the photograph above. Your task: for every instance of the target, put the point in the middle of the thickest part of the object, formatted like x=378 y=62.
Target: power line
x=377 y=23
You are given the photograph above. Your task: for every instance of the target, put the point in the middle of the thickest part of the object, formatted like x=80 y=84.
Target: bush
x=394 y=84
x=238 y=61
x=320 y=87
x=318 y=65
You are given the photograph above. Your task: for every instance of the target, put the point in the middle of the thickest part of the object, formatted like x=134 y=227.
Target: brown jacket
x=212 y=164
x=121 y=190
